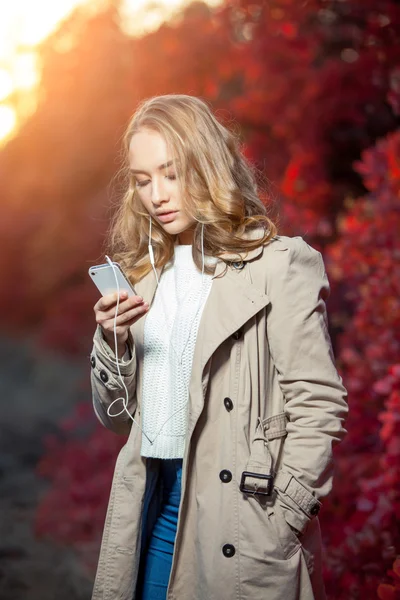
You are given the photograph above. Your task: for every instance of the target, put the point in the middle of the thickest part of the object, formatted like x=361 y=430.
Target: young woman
x=234 y=402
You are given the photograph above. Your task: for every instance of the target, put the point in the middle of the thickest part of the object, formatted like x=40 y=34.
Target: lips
x=167 y=217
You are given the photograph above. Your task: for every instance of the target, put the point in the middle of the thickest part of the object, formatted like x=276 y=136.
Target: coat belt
x=258 y=477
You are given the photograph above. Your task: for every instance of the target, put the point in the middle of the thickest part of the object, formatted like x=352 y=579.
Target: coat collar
x=147 y=286
x=232 y=301
x=253 y=234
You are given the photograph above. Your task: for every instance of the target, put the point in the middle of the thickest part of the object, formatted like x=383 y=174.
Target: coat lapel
x=232 y=301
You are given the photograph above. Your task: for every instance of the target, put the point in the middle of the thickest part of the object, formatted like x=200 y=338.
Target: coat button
x=225 y=476
x=228 y=550
x=238 y=334
x=104 y=376
x=93 y=361
x=228 y=404
x=314 y=509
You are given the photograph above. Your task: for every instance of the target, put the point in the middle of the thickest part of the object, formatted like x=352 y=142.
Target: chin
x=175 y=228
x=172 y=228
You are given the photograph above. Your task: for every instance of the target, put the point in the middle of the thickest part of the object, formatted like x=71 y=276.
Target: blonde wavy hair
x=218 y=187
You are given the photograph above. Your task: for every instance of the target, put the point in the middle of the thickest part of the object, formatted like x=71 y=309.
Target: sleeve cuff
x=107 y=355
x=298 y=504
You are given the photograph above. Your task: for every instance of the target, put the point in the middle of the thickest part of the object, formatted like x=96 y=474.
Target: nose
x=158 y=192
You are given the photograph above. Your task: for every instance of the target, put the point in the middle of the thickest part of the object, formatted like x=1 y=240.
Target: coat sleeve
x=107 y=387
x=314 y=395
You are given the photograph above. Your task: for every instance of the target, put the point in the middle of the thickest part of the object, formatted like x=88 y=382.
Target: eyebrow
x=159 y=168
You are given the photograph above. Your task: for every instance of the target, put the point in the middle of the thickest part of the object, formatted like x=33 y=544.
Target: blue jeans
x=156 y=561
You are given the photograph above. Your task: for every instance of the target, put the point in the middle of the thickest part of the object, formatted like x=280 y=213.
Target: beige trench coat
x=265 y=398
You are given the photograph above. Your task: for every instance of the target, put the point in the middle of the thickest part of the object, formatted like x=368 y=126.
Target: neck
x=185 y=237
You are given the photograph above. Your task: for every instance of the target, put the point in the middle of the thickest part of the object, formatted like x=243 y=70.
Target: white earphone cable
x=126 y=398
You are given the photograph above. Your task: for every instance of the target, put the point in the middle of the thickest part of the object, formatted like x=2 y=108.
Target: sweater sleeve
x=107 y=387
x=300 y=347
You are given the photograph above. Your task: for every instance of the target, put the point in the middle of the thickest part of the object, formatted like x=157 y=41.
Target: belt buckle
x=247 y=490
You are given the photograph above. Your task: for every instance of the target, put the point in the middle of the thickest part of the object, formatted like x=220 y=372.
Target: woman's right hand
x=129 y=311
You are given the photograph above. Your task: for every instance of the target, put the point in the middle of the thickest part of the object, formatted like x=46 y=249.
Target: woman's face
x=155 y=179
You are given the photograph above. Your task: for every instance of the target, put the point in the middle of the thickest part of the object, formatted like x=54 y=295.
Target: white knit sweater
x=170 y=333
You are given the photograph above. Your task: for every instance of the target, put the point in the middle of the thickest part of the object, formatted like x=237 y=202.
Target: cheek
x=144 y=197
x=187 y=221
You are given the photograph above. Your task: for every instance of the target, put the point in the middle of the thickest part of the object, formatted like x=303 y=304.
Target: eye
x=141 y=184
x=171 y=177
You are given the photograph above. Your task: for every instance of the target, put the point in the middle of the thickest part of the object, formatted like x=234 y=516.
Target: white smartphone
x=104 y=278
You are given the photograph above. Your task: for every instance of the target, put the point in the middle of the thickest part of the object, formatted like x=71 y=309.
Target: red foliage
x=366 y=500
x=391 y=591
x=313 y=93
x=313 y=86
x=79 y=466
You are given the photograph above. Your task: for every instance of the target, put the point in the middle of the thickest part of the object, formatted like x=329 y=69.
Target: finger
x=123 y=319
x=131 y=322
x=121 y=330
x=133 y=302
x=134 y=313
x=110 y=300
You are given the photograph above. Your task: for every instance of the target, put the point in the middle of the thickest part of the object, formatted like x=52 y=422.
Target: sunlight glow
x=142 y=16
x=24 y=24
x=25 y=71
x=6 y=84
x=8 y=120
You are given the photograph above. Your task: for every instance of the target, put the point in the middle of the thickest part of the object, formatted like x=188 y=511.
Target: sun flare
x=8 y=120
x=24 y=24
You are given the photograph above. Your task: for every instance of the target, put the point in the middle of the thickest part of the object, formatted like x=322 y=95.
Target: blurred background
x=313 y=87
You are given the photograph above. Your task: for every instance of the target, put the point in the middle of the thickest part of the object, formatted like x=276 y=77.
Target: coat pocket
x=286 y=537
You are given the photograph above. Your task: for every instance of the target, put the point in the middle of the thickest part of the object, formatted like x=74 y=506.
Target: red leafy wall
x=314 y=89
